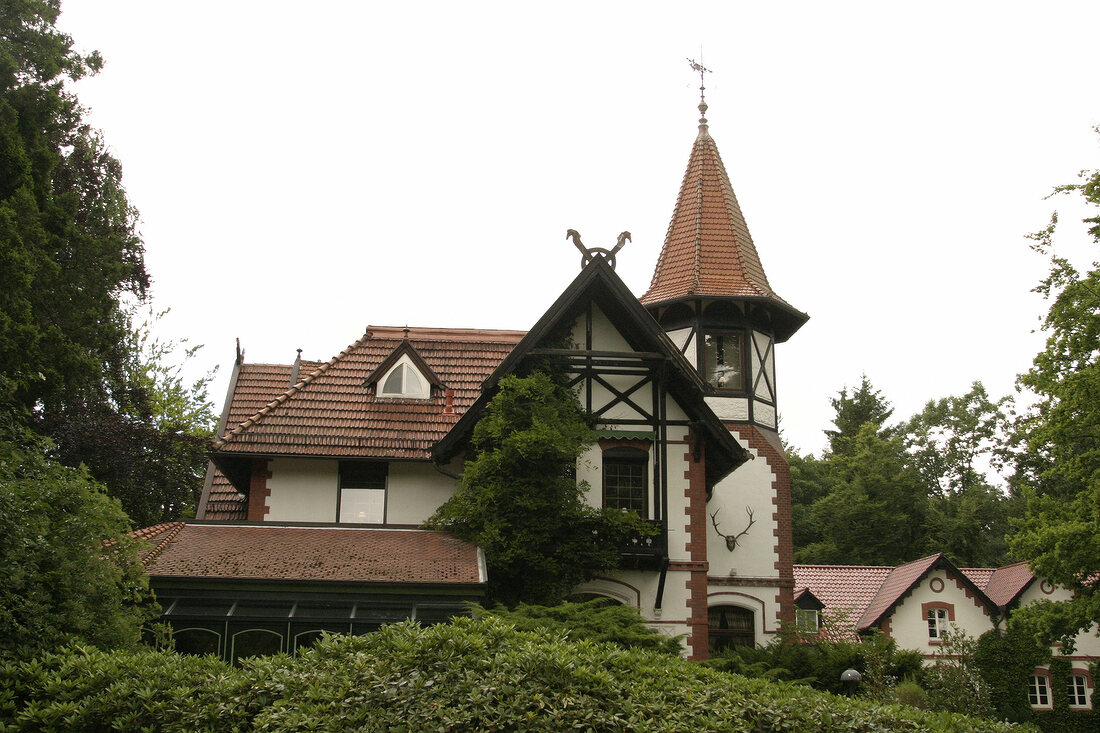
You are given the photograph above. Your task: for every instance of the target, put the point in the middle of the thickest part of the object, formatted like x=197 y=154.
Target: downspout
x=661 y=584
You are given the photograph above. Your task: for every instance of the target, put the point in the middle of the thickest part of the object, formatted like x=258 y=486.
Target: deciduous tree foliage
x=519 y=500
x=1060 y=532
x=73 y=270
x=954 y=444
x=59 y=581
x=885 y=495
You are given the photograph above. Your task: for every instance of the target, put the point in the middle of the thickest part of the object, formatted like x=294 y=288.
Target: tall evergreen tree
x=864 y=405
x=73 y=268
x=876 y=510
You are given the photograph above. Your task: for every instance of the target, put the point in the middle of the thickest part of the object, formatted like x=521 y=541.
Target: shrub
x=470 y=675
x=599 y=619
x=953 y=681
x=910 y=693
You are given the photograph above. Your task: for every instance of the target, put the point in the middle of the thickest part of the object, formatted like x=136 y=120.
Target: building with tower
x=322 y=472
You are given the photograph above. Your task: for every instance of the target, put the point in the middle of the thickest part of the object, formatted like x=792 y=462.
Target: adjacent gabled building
x=915 y=604
x=323 y=471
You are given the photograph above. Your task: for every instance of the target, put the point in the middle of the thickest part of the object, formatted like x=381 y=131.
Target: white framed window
x=1077 y=690
x=404 y=380
x=1038 y=691
x=937 y=623
x=807 y=620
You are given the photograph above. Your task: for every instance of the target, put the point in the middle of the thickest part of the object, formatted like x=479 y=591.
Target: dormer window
x=404 y=381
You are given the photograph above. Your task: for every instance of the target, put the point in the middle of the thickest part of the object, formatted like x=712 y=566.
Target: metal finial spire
x=702 y=97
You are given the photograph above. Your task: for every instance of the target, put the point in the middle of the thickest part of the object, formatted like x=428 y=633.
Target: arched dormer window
x=404 y=380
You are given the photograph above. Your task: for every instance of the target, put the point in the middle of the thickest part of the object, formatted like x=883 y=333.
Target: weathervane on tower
x=702 y=98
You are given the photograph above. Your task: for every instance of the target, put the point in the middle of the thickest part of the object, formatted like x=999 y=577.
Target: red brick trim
x=781 y=515
x=698 y=640
x=885 y=628
x=258 y=490
x=969 y=594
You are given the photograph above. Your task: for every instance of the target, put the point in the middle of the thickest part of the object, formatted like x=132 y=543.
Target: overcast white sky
x=303 y=170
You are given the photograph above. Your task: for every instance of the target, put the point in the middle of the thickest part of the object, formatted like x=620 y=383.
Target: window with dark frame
x=730 y=627
x=723 y=365
x=626 y=479
x=362 y=498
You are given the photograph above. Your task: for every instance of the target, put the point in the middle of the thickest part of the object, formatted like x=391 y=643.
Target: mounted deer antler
x=731 y=539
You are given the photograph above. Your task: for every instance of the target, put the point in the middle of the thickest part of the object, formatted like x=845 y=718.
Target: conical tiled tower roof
x=708 y=251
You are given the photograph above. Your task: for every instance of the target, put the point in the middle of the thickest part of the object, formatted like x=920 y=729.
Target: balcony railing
x=644 y=549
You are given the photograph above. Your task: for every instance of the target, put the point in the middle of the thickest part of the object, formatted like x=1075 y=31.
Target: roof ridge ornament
x=702 y=97
x=588 y=253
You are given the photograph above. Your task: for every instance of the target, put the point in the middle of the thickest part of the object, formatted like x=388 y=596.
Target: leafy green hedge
x=473 y=674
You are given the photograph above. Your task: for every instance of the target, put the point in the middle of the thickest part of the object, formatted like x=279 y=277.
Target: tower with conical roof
x=712 y=297
x=710 y=292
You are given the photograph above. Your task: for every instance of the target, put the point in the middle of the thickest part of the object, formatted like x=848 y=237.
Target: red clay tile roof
x=708 y=250
x=844 y=589
x=331 y=412
x=157 y=536
x=256 y=385
x=900 y=580
x=360 y=554
x=1006 y=583
x=865 y=593
x=978 y=576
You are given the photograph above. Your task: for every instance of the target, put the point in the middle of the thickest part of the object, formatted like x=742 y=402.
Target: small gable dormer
x=404 y=375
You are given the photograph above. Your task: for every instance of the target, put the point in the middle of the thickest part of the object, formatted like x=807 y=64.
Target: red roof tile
x=1007 y=583
x=844 y=589
x=708 y=250
x=256 y=385
x=332 y=412
x=157 y=536
x=360 y=554
x=894 y=586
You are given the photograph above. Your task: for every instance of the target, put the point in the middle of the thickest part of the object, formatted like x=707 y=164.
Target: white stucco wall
x=685 y=342
x=605 y=337
x=305 y=490
x=302 y=490
x=728 y=408
x=909 y=626
x=748 y=487
x=414 y=490
x=638 y=589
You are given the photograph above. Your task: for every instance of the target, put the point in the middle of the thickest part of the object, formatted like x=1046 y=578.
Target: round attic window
x=936 y=584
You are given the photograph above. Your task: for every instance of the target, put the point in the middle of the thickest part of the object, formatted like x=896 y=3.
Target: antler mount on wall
x=731 y=539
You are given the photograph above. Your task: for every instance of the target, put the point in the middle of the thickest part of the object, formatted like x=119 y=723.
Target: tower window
x=626 y=479
x=723 y=366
